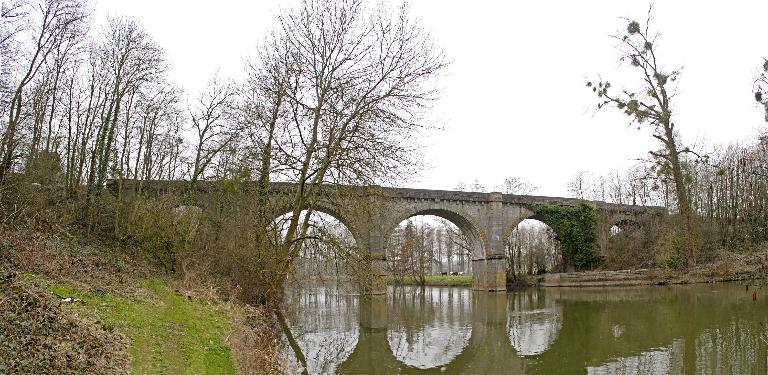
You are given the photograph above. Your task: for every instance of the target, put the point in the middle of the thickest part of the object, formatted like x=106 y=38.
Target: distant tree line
x=418 y=248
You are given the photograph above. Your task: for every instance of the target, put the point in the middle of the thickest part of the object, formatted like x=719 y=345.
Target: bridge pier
x=376 y=284
x=489 y=274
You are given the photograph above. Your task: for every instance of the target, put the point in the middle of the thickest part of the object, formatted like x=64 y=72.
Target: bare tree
x=157 y=121
x=457 y=244
x=579 y=185
x=517 y=185
x=761 y=88
x=128 y=59
x=263 y=112
x=213 y=122
x=12 y=15
x=651 y=104
x=532 y=248
x=477 y=186
x=356 y=82
x=53 y=23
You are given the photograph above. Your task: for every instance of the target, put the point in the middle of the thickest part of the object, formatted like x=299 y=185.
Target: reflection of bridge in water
x=455 y=331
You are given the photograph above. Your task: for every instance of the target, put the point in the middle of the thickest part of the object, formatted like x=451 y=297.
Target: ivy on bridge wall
x=576 y=228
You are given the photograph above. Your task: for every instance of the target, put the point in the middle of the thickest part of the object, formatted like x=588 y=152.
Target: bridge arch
x=462 y=220
x=329 y=210
x=533 y=247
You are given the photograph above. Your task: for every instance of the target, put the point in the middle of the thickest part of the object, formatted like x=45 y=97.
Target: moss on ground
x=169 y=334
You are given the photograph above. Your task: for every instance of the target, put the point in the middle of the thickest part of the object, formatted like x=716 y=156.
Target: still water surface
x=701 y=329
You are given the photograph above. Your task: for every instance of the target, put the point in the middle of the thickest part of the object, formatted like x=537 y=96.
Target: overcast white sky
x=514 y=100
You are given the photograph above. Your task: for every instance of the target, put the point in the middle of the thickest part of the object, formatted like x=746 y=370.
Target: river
x=702 y=329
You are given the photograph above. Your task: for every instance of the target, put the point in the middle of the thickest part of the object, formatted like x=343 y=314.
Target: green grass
x=436 y=280
x=169 y=334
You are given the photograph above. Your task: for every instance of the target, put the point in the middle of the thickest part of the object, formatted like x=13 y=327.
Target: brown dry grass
x=97 y=267
x=254 y=346
x=70 y=259
x=38 y=337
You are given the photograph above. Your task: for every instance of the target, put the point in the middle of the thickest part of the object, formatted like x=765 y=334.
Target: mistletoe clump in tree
x=761 y=88
x=650 y=105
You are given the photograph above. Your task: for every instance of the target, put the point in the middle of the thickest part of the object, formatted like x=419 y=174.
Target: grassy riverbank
x=432 y=280
x=69 y=306
x=167 y=333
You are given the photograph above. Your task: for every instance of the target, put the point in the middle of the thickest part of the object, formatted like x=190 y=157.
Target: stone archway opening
x=432 y=242
x=532 y=249
x=626 y=245
x=327 y=248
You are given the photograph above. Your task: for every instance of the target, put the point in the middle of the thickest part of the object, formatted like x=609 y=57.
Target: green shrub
x=151 y=228
x=673 y=261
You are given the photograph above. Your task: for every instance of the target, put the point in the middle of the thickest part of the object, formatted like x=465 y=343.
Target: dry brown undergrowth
x=97 y=349
x=38 y=337
x=254 y=349
x=67 y=258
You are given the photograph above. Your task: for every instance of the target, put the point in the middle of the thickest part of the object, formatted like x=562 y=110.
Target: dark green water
x=697 y=329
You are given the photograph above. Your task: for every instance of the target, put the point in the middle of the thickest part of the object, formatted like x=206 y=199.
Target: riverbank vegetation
x=91 y=114
x=107 y=308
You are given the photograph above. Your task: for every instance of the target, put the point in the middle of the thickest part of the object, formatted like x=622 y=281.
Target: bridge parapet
x=371 y=213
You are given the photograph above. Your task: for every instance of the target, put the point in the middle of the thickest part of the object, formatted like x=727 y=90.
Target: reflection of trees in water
x=533 y=322
x=692 y=329
x=736 y=348
x=429 y=328
x=325 y=324
x=667 y=360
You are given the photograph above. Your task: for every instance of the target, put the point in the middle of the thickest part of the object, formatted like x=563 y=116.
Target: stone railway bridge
x=371 y=213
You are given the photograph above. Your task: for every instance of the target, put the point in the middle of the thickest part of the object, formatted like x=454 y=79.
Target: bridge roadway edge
x=490 y=216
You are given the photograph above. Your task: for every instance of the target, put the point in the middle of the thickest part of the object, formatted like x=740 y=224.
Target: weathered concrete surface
x=372 y=212
x=638 y=277
x=597 y=278
x=489 y=275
